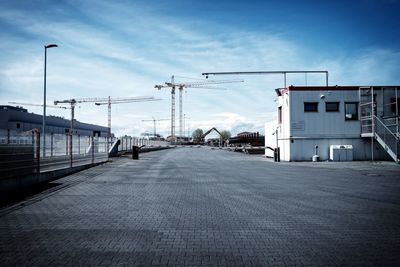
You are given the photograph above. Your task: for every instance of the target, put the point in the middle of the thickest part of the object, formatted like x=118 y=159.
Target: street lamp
x=184 y=128
x=44 y=98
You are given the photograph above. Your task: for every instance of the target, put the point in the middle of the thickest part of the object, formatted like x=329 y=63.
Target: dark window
x=279 y=114
x=332 y=106
x=310 y=106
x=18 y=125
x=351 y=111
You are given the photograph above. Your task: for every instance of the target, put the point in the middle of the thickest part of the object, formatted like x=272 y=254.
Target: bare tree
x=225 y=135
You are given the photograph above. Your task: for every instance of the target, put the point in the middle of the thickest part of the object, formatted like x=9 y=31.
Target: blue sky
x=124 y=48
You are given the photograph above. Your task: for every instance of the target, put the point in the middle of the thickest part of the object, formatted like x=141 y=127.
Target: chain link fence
x=23 y=153
x=127 y=142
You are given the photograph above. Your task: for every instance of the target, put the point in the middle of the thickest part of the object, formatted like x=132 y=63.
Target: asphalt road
x=197 y=206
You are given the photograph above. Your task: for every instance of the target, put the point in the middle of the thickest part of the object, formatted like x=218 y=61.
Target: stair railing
x=386 y=135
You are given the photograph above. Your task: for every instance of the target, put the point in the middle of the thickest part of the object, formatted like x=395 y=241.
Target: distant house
x=17 y=119
x=329 y=120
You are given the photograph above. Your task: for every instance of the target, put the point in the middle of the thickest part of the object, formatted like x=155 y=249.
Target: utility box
x=341 y=152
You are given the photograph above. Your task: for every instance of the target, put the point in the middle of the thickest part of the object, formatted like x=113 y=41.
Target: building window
x=310 y=106
x=351 y=111
x=18 y=125
x=332 y=106
x=279 y=115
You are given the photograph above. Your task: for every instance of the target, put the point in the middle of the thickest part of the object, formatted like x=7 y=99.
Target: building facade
x=312 y=120
x=18 y=119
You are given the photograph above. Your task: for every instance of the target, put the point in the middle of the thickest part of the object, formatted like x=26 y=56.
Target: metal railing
x=126 y=143
x=21 y=153
x=67 y=151
x=366 y=125
x=389 y=139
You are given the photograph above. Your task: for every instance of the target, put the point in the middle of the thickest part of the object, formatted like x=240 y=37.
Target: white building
x=328 y=116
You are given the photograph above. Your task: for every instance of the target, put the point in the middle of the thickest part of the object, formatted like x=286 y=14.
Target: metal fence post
x=70 y=150
x=108 y=144
x=66 y=144
x=106 y=147
x=52 y=144
x=36 y=144
x=92 y=149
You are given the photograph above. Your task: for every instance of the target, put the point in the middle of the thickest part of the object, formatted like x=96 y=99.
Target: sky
x=123 y=48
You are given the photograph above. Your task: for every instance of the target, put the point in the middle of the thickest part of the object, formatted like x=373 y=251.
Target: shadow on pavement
x=13 y=197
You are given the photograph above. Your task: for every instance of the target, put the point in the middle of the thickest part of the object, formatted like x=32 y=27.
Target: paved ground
x=196 y=206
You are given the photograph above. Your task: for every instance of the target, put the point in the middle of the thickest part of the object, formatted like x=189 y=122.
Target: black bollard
x=135 y=152
x=277 y=154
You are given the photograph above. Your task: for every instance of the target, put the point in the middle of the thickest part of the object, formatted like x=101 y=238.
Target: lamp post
x=184 y=128
x=44 y=98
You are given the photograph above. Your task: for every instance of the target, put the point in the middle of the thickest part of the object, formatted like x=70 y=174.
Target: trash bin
x=135 y=152
x=277 y=156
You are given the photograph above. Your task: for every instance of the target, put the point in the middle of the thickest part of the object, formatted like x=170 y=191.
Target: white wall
x=321 y=123
x=303 y=149
x=270 y=138
x=300 y=131
x=284 y=129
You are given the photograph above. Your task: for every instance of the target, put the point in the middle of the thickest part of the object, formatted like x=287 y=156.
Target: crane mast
x=284 y=72
x=154 y=121
x=108 y=101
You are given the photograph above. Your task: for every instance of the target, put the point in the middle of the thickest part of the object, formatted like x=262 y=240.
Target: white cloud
x=372 y=66
x=128 y=49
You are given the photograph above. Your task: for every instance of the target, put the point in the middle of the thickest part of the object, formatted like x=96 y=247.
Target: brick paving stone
x=202 y=207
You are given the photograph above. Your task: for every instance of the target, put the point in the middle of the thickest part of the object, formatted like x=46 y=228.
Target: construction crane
x=122 y=100
x=155 y=120
x=181 y=86
x=102 y=101
x=284 y=72
x=37 y=105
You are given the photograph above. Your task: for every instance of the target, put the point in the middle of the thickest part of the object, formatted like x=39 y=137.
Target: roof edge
x=337 y=88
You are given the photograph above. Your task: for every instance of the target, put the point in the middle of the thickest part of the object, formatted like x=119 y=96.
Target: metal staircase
x=379 y=107
x=388 y=140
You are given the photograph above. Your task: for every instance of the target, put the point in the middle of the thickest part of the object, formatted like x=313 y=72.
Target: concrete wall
x=17 y=160
x=25 y=181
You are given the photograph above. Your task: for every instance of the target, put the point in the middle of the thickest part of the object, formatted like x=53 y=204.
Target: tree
x=225 y=135
x=197 y=135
